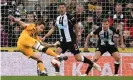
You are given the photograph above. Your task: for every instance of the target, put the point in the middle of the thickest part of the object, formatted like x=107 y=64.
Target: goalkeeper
x=29 y=40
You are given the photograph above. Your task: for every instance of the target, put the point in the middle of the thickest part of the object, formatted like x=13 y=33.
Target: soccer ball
x=55 y=63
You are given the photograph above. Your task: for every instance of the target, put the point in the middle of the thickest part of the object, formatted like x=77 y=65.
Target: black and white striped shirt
x=105 y=37
x=65 y=24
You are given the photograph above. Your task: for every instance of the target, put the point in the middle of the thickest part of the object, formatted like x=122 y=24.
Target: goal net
x=90 y=12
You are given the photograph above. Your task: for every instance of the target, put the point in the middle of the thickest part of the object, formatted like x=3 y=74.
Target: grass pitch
x=64 y=78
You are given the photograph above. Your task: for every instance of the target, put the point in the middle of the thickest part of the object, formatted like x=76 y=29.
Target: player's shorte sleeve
x=96 y=31
x=115 y=31
x=54 y=23
x=72 y=19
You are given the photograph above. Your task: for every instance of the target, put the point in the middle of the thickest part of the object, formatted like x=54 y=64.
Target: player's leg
x=99 y=51
x=40 y=64
x=48 y=51
x=74 y=50
x=62 y=49
x=33 y=43
x=114 y=52
x=116 y=56
x=29 y=53
x=83 y=59
x=58 y=50
x=95 y=59
x=36 y=45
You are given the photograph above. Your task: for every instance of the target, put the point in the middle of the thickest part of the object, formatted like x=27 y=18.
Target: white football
x=55 y=63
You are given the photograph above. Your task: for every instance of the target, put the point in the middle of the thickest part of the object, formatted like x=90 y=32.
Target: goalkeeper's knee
x=40 y=47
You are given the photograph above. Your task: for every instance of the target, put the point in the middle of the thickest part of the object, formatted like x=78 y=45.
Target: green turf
x=63 y=78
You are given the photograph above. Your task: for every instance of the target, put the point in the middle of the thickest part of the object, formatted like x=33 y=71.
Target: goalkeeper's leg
x=39 y=64
x=35 y=44
x=48 y=51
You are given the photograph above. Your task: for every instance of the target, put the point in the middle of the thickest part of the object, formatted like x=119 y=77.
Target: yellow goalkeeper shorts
x=25 y=44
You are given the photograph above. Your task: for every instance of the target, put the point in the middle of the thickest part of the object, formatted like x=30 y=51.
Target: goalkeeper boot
x=43 y=74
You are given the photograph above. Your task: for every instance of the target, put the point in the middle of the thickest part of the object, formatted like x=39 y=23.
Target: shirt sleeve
x=54 y=23
x=115 y=31
x=72 y=19
x=96 y=31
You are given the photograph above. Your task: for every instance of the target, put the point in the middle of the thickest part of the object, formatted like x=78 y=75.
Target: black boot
x=43 y=74
x=62 y=58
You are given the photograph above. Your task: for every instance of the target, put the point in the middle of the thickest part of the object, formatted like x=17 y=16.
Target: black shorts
x=72 y=47
x=104 y=48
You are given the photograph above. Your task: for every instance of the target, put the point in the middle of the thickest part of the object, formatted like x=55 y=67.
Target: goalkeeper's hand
x=12 y=18
x=56 y=44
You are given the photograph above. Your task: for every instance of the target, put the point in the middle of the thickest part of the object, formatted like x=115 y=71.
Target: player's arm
x=57 y=43
x=119 y=32
x=122 y=42
x=77 y=32
x=92 y=34
x=21 y=23
x=75 y=22
x=51 y=31
x=121 y=39
x=87 y=39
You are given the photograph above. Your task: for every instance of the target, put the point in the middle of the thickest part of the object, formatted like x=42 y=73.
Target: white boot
x=83 y=75
x=97 y=67
x=116 y=75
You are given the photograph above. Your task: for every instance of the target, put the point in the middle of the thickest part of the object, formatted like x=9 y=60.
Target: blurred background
x=90 y=12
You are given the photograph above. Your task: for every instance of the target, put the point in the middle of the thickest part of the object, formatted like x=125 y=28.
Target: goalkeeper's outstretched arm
x=51 y=31
x=21 y=23
x=57 y=43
